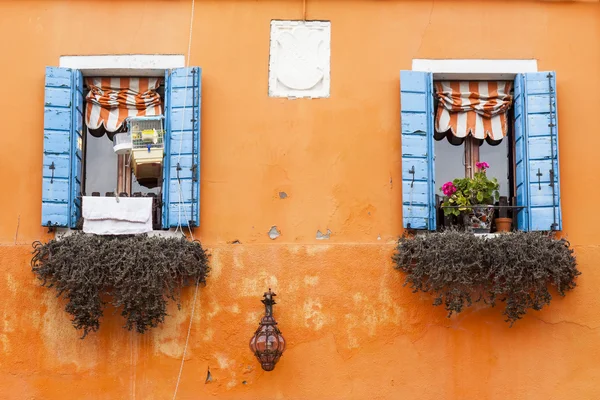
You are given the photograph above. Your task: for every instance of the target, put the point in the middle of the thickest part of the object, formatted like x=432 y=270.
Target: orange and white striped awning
x=111 y=100
x=476 y=108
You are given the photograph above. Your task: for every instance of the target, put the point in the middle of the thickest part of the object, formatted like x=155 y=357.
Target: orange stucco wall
x=353 y=331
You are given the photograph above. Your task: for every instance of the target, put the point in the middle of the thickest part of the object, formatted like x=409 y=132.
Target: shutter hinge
x=178 y=169
x=539 y=176
x=551 y=179
x=412 y=171
x=52 y=168
x=194 y=172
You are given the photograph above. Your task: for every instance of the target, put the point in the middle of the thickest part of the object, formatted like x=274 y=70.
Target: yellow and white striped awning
x=476 y=108
x=111 y=100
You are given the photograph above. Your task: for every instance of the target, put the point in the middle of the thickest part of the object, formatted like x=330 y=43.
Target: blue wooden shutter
x=63 y=141
x=181 y=173
x=536 y=156
x=418 y=171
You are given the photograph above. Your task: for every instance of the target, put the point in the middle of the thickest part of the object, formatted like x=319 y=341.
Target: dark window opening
x=456 y=158
x=106 y=173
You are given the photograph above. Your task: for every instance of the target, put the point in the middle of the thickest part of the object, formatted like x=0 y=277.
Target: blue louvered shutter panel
x=418 y=177
x=62 y=163
x=536 y=152
x=181 y=173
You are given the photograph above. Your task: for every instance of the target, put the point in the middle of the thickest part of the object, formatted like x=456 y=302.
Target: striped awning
x=476 y=108
x=111 y=100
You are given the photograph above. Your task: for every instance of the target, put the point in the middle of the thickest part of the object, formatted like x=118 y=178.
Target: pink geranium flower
x=482 y=165
x=448 y=189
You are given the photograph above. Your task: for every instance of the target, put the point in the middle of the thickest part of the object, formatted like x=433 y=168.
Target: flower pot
x=479 y=219
x=503 y=224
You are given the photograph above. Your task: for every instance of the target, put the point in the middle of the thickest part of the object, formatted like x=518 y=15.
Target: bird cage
x=147 y=139
x=146 y=132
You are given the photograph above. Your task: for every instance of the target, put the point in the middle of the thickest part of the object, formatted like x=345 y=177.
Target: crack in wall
x=592 y=328
x=426 y=28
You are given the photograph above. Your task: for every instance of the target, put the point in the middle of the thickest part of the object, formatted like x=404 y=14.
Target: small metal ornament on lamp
x=268 y=344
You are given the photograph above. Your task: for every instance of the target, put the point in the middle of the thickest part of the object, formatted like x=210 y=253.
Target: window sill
x=487 y=235
x=64 y=232
x=479 y=235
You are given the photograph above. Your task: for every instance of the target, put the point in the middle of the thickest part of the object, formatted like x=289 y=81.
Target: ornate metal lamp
x=268 y=344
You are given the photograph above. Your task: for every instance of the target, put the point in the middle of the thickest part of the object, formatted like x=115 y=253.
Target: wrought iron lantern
x=268 y=344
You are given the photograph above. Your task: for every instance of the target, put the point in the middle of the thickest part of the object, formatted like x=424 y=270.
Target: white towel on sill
x=107 y=216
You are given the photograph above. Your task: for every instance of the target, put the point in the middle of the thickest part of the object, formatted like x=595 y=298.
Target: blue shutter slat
x=55 y=213
x=185 y=163
x=181 y=186
x=421 y=170
x=57 y=142
x=61 y=166
x=54 y=96
x=415 y=146
x=536 y=135
x=418 y=183
x=180 y=96
x=55 y=186
x=538 y=124
x=58 y=118
x=181 y=120
x=59 y=77
x=420 y=192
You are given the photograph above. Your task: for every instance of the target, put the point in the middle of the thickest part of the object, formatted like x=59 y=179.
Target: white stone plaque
x=299 y=64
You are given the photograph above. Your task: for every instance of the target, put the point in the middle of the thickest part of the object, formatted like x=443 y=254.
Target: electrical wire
x=187 y=339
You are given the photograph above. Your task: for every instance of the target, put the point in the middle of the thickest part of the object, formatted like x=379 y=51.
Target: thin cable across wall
x=187 y=339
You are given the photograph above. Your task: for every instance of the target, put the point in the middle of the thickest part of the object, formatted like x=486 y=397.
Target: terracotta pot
x=503 y=224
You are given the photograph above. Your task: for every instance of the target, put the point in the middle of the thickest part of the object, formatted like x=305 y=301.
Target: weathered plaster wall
x=353 y=331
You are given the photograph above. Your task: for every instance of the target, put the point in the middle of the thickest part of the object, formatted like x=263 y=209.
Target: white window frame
x=484 y=69
x=123 y=64
x=144 y=65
